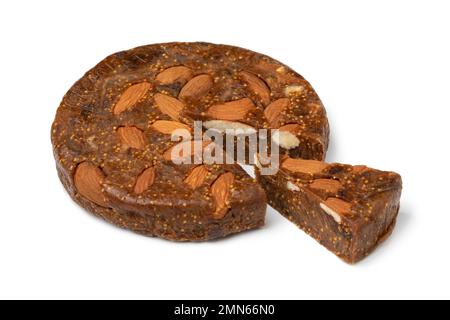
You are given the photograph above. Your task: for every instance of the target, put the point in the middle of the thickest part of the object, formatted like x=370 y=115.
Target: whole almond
x=328 y=185
x=132 y=137
x=144 y=180
x=131 y=96
x=196 y=87
x=168 y=127
x=169 y=105
x=197 y=177
x=257 y=85
x=233 y=110
x=174 y=74
x=221 y=192
x=303 y=166
x=88 y=182
x=274 y=111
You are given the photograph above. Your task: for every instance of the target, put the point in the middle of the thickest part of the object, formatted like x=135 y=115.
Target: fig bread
x=112 y=136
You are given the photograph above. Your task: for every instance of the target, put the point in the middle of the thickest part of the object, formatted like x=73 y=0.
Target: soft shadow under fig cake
x=112 y=141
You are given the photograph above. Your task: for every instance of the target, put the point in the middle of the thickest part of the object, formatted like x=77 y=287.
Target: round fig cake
x=112 y=136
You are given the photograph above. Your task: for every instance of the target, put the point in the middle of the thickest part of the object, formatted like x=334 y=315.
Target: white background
x=382 y=70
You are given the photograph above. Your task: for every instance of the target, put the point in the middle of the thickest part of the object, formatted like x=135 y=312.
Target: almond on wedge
x=257 y=85
x=169 y=105
x=132 y=137
x=88 y=181
x=233 y=110
x=336 y=208
x=221 y=192
x=131 y=96
x=196 y=87
x=175 y=74
x=197 y=177
x=303 y=166
x=145 y=180
x=328 y=185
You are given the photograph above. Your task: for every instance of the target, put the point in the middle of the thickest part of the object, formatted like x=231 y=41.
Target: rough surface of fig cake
x=112 y=134
x=348 y=209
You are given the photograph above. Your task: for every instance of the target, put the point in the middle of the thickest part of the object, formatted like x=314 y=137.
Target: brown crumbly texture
x=348 y=209
x=111 y=136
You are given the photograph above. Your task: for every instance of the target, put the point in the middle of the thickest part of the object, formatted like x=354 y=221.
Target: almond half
x=145 y=180
x=285 y=140
x=233 y=110
x=303 y=166
x=274 y=111
x=257 y=85
x=221 y=192
x=174 y=74
x=336 y=208
x=131 y=96
x=132 y=137
x=88 y=181
x=197 y=177
x=328 y=185
x=286 y=137
x=223 y=126
x=169 y=105
x=196 y=87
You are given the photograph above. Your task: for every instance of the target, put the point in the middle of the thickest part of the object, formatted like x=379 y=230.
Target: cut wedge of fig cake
x=348 y=209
